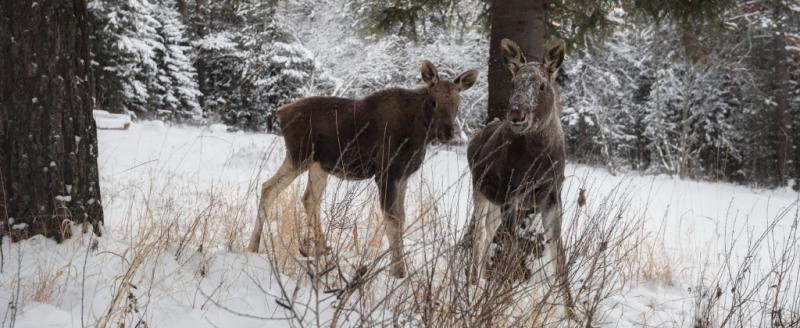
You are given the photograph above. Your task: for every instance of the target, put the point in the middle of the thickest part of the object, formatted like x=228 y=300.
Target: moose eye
x=434 y=103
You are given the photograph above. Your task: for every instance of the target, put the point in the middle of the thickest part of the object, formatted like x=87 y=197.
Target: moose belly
x=502 y=188
x=496 y=191
x=352 y=171
x=348 y=165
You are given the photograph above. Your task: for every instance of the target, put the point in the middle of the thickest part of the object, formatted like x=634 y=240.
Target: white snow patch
x=218 y=128
x=109 y=121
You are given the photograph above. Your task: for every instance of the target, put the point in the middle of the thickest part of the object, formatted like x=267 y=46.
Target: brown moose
x=517 y=163
x=382 y=136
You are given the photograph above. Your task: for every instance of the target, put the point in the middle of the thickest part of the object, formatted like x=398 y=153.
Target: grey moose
x=517 y=164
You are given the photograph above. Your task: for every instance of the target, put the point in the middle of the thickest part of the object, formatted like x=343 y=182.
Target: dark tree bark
x=783 y=121
x=48 y=140
x=524 y=22
x=198 y=25
x=182 y=8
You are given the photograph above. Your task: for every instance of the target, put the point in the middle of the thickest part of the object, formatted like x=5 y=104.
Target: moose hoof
x=570 y=312
x=472 y=278
x=252 y=248
x=398 y=271
x=308 y=250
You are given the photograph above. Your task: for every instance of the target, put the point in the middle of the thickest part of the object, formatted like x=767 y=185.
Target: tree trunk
x=783 y=120
x=198 y=24
x=524 y=22
x=48 y=140
x=182 y=8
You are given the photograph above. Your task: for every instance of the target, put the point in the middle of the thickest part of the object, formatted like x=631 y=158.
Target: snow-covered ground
x=179 y=203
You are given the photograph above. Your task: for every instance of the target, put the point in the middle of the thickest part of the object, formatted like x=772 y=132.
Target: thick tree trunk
x=524 y=22
x=48 y=140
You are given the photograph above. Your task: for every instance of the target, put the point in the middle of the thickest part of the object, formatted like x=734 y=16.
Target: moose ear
x=466 y=79
x=429 y=73
x=555 y=56
x=512 y=54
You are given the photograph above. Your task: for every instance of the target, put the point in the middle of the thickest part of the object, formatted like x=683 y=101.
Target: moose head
x=533 y=96
x=443 y=99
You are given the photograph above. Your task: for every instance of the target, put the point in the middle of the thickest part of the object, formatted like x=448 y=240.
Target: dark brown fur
x=382 y=136
x=387 y=129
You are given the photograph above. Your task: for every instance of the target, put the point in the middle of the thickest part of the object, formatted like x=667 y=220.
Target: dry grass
x=434 y=295
x=286 y=227
x=650 y=263
x=123 y=307
x=608 y=250
x=46 y=287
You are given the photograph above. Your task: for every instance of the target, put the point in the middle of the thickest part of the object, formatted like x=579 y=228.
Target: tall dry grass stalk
x=47 y=287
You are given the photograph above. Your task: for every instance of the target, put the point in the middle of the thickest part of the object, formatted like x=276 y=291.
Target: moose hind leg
x=312 y=198
x=552 y=224
x=269 y=192
x=392 y=195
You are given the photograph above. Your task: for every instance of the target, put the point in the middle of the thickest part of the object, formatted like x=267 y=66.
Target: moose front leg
x=393 y=194
x=475 y=237
x=486 y=219
x=552 y=215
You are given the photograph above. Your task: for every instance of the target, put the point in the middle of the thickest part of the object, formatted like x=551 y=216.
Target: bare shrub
x=755 y=284
x=604 y=251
